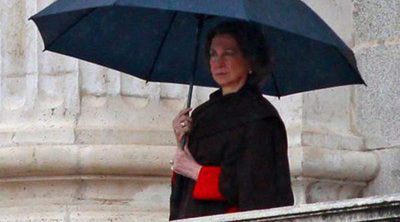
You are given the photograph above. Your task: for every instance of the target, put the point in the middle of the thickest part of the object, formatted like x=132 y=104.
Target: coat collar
x=246 y=87
x=223 y=112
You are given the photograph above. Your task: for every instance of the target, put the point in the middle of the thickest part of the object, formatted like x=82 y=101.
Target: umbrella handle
x=183 y=142
x=184 y=139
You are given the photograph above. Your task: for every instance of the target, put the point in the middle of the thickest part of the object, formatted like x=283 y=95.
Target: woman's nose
x=218 y=61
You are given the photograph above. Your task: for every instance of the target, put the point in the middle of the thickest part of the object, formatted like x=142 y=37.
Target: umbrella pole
x=188 y=104
x=177 y=188
x=200 y=22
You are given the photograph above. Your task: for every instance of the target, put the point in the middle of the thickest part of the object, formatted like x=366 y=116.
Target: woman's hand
x=184 y=164
x=182 y=124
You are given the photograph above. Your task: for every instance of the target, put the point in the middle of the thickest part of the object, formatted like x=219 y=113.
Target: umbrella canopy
x=163 y=40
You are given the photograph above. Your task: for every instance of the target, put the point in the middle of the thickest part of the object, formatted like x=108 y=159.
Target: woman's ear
x=250 y=66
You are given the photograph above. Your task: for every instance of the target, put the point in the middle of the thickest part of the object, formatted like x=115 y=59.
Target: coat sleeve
x=282 y=172
x=207 y=184
x=258 y=177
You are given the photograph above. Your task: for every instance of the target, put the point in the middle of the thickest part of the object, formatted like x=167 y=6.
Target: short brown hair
x=251 y=42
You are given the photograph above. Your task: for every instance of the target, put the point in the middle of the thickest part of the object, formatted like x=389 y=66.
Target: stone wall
x=80 y=139
x=376 y=114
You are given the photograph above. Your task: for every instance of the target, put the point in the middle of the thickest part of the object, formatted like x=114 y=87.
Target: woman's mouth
x=220 y=73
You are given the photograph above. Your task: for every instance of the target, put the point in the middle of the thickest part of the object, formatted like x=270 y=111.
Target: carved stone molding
x=321 y=174
x=81 y=160
x=333 y=164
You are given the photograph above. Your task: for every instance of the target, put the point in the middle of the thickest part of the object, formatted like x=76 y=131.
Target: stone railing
x=382 y=208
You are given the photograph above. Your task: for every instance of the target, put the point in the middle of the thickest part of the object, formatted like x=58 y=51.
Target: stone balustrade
x=376 y=208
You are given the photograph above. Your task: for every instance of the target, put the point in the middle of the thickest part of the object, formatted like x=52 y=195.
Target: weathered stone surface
x=44 y=136
x=41 y=4
x=332 y=141
x=338 y=15
x=50 y=63
x=174 y=91
x=84 y=211
x=126 y=160
x=59 y=91
x=13 y=92
x=6 y=138
x=388 y=179
x=123 y=112
x=291 y=110
x=19 y=38
x=320 y=174
x=60 y=160
x=124 y=136
x=41 y=103
x=322 y=191
x=311 y=190
x=328 y=110
x=332 y=164
x=132 y=86
x=377 y=106
x=384 y=208
x=85 y=198
x=376 y=20
x=99 y=81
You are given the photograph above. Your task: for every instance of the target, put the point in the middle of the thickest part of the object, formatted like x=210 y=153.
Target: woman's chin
x=221 y=84
x=220 y=81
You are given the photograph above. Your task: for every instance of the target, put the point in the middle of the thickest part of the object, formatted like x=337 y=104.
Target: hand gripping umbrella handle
x=177 y=187
x=184 y=139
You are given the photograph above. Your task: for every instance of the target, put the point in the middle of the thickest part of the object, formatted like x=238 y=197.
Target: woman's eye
x=229 y=52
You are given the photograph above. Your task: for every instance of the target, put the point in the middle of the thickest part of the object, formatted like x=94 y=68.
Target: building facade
x=79 y=142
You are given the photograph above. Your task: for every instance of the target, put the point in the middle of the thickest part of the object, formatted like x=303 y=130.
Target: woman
x=236 y=157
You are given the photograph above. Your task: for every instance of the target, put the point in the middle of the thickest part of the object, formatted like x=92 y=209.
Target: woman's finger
x=185 y=124
x=183 y=118
x=185 y=164
x=182 y=126
x=186 y=128
x=184 y=111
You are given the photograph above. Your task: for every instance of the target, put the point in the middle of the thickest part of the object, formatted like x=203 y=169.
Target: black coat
x=244 y=135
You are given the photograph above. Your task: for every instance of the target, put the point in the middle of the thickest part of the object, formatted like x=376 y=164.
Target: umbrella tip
x=44 y=50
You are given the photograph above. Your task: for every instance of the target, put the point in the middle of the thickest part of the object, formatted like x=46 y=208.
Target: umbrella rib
x=67 y=30
x=155 y=60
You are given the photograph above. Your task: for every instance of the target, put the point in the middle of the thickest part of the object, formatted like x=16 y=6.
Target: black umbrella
x=163 y=40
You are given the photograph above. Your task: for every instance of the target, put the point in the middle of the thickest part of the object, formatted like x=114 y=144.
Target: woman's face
x=228 y=66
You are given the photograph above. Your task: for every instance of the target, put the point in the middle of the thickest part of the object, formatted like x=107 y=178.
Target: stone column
x=377 y=46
